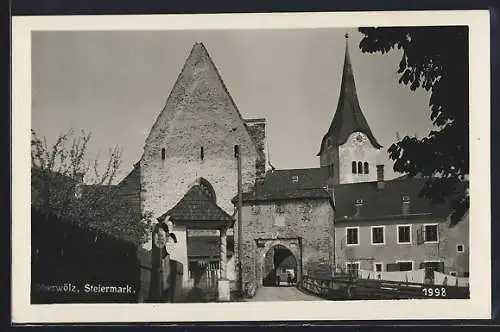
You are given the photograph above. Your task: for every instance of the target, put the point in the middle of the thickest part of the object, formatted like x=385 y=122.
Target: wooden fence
x=349 y=288
x=75 y=264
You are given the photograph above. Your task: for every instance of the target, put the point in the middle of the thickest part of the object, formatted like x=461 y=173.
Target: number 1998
x=434 y=292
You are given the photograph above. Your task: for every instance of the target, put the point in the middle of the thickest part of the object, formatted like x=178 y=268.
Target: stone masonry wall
x=198 y=114
x=311 y=219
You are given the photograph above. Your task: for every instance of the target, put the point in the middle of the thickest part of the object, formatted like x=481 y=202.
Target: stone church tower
x=349 y=149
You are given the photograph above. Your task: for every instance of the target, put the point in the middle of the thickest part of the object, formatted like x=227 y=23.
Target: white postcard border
x=479 y=306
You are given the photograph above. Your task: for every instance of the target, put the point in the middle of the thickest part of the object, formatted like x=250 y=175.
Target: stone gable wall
x=199 y=113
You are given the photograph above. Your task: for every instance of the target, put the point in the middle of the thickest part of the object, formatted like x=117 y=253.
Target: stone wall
x=309 y=219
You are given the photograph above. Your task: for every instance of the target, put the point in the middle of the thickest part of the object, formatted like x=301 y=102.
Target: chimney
x=359 y=205
x=380 y=176
x=257 y=130
x=405 y=205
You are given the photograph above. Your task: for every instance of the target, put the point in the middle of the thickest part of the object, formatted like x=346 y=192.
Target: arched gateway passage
x=279 y=261
x=280 y=267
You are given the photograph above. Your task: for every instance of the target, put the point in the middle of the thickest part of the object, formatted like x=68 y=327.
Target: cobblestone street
x=282 y=294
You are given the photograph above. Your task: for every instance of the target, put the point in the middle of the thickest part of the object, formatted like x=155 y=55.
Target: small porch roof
x=198 y=211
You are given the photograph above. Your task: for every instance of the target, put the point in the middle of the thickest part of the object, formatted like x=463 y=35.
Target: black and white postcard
x=238 y=167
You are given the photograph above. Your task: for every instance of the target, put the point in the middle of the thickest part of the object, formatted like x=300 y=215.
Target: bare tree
x=71 y=161
x=58 y=187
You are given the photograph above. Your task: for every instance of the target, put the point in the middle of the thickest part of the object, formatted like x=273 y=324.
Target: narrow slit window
x=354 y=168
x=367 y=168
x=236 y=151
x=202 y=154
x=360 y=167
x=163 y=154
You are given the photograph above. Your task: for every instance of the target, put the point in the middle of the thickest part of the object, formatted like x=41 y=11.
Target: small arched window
x=367 y=168
x=360 y=167
x=354 y=169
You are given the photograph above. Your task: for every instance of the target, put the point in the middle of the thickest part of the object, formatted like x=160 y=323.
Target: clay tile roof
x=348 y=117
x=384 y=203
x=290 y=184
x=197 y=206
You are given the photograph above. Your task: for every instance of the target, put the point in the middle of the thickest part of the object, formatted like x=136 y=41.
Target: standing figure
x=161 y=286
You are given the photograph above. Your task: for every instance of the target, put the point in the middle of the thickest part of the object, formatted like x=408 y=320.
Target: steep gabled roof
x=196 y=206
x=182 y=85
x=348 y=117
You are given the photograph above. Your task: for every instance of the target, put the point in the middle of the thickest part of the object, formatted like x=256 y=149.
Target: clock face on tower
x=359 y=138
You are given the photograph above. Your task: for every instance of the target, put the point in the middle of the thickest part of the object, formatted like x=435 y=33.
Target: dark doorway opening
x=280 y=267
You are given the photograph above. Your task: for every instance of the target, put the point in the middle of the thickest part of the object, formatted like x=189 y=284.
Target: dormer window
x=295 y=179
x=405 y=207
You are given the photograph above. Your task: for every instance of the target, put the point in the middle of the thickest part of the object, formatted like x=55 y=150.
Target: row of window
x=430 y=234
x=353 y=267
x=202 y=152
x=360 y=167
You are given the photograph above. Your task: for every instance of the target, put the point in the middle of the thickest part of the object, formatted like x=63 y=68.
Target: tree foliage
x=58 y=188
x=435 y=59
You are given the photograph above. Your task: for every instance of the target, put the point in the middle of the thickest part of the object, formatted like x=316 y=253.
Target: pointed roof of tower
x=348 y=117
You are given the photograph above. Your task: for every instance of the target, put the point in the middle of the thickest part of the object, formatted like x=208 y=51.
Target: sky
x=115 y=83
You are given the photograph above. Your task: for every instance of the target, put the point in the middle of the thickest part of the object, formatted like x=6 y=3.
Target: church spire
x=348 y=117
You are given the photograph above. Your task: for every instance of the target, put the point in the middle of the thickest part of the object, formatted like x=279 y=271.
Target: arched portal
x=280 y=267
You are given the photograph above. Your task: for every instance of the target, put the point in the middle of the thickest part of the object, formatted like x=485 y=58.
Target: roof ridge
x=206 y=54
x=169 y=97
x=197 y=189
x=224 y=87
